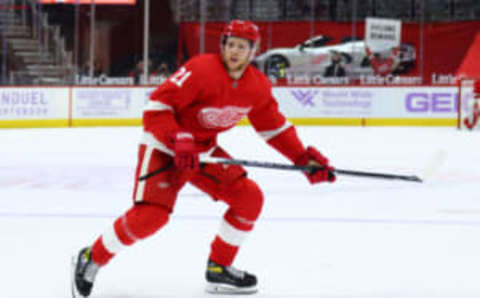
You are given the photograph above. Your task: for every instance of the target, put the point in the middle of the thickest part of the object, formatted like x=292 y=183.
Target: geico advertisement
x=109 y=103
x=33 y=103
x=378 y=102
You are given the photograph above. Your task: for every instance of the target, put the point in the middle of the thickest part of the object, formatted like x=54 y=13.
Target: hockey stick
x=158 y=171
x=272 y=165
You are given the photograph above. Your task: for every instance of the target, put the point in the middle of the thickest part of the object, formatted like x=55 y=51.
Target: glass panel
x=392 y=9
x=70 y=44
x=465 y=9
x=323 y=10
x=438 y=10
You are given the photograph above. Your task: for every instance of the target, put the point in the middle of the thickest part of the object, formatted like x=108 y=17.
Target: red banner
x=438 y=48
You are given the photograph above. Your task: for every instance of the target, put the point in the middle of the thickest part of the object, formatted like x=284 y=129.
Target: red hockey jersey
x=476 y=89
x=203 y=99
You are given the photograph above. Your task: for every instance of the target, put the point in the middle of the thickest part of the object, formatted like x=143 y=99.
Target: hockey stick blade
x=272 y=165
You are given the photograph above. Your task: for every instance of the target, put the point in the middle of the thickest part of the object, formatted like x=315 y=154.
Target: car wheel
x=347 y=58
x=276 y=66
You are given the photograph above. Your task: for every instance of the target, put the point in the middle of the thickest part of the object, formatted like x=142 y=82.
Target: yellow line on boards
x=296 y=121
x=410 y=122
x=40 y=123
x=107 y=122
x=370 y=121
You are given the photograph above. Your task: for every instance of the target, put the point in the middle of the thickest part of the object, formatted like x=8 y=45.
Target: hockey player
x=473 y=119
x=383 y=66
x=206 y=96
x=476 y=89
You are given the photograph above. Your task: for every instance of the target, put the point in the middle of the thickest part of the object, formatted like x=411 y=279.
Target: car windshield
x=316 y=42
x=350 y=39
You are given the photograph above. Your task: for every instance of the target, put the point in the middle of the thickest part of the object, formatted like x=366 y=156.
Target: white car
x=314 y=56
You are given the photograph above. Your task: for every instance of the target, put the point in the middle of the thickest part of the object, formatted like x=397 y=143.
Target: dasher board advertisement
x=34 y=107
x=94 y=103
x=33 y=103
x=399 y=105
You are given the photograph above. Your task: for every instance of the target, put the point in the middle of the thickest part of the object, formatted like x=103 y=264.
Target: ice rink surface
x=357 y=238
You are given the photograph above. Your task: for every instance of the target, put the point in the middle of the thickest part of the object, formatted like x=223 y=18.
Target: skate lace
x=235 y=272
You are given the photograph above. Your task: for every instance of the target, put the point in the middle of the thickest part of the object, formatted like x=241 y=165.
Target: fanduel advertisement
x=33 y=103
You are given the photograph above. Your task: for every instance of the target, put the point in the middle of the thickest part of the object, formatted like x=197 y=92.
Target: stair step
x=26 y=43
x=30 y=60
x=13 y=23
x=10 y=19
x=51 y=80
x=20 y=40
x=9 y=34
x=45 y=67
x=17 y=27
x=7 y=14
x=32 y=55
x=36 y=54
x=12 y=31
x=25 y=78
x=25 y=47
x=47 y=72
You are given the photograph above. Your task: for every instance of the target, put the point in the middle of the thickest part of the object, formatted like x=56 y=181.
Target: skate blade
x=75 y=293
x=223 y=289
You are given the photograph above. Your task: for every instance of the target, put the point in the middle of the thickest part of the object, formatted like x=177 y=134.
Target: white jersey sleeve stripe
x=153 y=105
x=270 y=134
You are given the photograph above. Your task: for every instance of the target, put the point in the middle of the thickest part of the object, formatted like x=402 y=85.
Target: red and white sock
x=232 y=234
x=141 y=221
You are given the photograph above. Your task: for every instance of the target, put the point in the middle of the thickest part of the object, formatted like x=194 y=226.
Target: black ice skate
x=228 y=280
x=84 y=271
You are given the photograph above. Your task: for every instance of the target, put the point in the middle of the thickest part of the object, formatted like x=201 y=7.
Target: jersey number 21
x=179 y=77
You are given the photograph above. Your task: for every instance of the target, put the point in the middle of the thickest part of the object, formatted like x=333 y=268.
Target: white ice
x=356 y=238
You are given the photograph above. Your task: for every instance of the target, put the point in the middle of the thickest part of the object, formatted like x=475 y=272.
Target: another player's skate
x=84 y=270
x=228 y=280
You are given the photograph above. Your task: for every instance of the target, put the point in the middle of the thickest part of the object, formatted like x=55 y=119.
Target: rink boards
x=121 y=106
